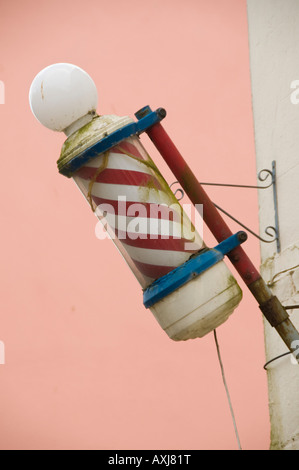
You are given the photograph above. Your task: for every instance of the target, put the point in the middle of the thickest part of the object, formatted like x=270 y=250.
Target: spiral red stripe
x=126 y=147
x=152 y=271
x=125 y=177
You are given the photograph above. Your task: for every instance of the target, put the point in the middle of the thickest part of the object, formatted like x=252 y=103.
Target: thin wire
x=281 y=272
x=275 y=358
x=236 y=185
x=226 y=389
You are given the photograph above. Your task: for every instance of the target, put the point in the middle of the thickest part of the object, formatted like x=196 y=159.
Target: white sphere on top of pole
x=61 y=94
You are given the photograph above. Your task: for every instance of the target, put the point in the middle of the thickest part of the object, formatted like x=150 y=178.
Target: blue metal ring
x=192 y=268
x=153 y=117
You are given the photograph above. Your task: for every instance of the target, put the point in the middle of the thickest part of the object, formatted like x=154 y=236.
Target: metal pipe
x=270 y=306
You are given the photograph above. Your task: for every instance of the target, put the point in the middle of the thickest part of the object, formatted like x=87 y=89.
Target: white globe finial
x=61 y=94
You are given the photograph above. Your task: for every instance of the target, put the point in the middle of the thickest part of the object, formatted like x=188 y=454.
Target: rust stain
x=42 y=90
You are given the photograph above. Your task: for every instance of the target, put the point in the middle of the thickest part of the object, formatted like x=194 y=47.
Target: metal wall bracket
x=274 y=185
x=270 y=230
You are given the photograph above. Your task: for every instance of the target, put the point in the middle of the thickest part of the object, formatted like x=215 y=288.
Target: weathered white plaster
x=274 y=64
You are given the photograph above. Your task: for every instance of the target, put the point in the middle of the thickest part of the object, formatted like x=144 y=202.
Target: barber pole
x=125 y=183
x=185 y=284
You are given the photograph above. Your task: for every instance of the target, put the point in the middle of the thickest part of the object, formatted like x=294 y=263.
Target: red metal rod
x=269 y=304
x=197 y=195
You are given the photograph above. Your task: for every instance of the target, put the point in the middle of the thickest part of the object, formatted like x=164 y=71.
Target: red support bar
x=269 y=305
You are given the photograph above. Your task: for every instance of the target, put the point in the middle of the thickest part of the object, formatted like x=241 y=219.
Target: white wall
x=274 y=65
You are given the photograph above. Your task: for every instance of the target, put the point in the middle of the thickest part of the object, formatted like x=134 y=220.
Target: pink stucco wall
x=87 y=367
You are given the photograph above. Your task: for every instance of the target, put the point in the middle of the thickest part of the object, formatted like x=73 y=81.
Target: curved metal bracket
x=263 y=175
x=260 y=177
x=179 y=190
x=268 y=229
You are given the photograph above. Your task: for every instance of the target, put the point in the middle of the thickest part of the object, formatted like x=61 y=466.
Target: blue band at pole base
x=192 y=268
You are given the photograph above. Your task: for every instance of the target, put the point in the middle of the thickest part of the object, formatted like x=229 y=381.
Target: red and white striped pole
x=128 y=186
